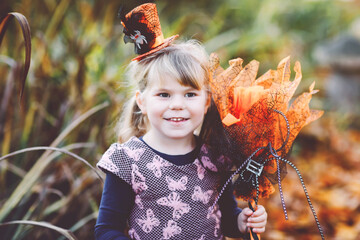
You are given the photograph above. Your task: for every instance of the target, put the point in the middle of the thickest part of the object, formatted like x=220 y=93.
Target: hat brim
x=161 y=46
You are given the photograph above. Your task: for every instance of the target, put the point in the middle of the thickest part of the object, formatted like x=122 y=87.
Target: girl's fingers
x=259 y=230
x=256 y=225
x=261 y=218
x=260 y=211
x=257 y=220
x=259 y=215
x=247 y=212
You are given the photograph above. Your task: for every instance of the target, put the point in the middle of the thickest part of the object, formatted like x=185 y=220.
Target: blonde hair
x=187 y=62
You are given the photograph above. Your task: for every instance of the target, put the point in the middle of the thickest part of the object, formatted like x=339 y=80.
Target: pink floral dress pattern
x=171 y=202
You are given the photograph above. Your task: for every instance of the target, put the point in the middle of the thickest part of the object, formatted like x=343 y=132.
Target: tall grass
x=75 y=90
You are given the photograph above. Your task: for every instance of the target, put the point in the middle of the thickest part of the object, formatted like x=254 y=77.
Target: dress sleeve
x=229 y=213
x=116 y=203
x=117 y=162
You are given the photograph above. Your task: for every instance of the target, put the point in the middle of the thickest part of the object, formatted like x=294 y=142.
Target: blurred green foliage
x=78 y=61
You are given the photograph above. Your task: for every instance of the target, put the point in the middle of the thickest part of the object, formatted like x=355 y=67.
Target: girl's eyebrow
x=160 y=89
x=187 y=88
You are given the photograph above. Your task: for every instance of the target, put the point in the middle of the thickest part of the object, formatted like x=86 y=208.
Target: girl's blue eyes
x=166 y=95
x=191 y=94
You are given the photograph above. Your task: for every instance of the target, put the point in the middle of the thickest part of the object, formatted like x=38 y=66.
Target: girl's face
x=174 y=111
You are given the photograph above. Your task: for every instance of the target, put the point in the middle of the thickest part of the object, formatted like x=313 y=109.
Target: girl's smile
x=177 y=120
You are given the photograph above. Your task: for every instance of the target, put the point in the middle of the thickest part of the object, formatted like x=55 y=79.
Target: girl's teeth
x=176 y=119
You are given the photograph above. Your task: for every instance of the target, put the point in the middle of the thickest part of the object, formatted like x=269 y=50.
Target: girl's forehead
x=164 y=79
x=168 y=81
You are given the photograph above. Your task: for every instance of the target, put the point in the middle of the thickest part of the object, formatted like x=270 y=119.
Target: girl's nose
x=177 y=103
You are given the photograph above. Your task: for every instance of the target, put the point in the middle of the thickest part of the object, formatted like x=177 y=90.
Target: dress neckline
x=179 y=160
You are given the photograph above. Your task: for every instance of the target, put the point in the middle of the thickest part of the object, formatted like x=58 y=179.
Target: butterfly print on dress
x=138 y=202
x=174 y=201
x=200 y=169
x=149 y=222
x=137 y=180
x=171 y=229
x=133 y=234
x=208 y=164
x=202 y=237
x=177 y=185
x=201 y=196
x=204 y=149
x=224 y=160
x=156 y=165
x=216 y=215
x=134 y=154
x=105 y=159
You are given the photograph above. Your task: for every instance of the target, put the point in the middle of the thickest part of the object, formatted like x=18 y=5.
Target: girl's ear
x=140 y=102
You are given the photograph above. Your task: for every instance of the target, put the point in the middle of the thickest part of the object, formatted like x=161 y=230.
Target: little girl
x=162 y=179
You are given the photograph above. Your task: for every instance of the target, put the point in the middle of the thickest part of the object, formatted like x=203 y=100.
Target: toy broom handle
x=253 y=207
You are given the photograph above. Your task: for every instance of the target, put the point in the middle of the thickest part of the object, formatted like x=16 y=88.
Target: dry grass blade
x=68 y=234
x=12 y=168
x=77 y=121
x=82 y=222
x=7 y=93
x=34 y=173
x=25 y=27
x=54 y=149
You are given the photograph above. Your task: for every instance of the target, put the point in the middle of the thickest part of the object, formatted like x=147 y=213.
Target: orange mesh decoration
x=246 y=108
x=260 y=123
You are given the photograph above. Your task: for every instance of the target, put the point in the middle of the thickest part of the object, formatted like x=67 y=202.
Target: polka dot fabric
x=171 y=202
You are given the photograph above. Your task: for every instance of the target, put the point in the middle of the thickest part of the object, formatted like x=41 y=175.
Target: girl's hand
x=256 y=220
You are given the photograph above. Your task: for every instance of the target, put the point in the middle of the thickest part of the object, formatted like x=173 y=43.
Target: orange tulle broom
x=261 y=124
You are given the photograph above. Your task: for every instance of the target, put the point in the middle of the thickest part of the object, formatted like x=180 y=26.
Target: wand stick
x=253 y=207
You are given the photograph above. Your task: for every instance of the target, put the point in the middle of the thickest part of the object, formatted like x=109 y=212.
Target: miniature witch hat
x=142 y=27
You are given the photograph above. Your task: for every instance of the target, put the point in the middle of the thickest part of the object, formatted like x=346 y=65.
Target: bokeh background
x=75 y=91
